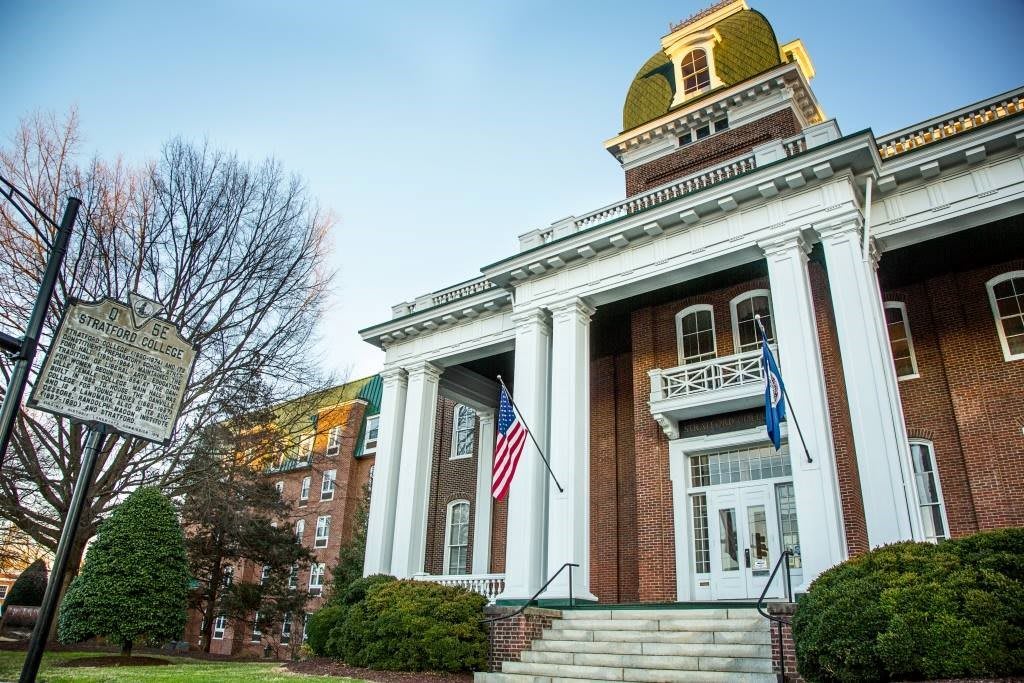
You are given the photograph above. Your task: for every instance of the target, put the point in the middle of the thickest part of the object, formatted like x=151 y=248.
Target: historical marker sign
x=116 y=364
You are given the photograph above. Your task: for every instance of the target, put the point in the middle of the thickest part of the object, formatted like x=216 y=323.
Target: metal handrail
x=779 y=621
x=572 y=601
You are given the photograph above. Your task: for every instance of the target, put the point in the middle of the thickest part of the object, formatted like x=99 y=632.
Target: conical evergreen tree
x=134 y=582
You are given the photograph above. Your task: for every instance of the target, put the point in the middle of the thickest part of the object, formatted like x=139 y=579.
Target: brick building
x=888 y=271
x=323 y=476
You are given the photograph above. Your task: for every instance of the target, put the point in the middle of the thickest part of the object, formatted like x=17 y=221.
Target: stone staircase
x=662 y=645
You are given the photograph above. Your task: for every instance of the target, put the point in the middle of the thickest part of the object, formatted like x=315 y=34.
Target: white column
x=526 y=535
x=569 y=454
x=414 y=478
x=380 y=530
x=482 y=520
x=816 y=484
x=876 y=414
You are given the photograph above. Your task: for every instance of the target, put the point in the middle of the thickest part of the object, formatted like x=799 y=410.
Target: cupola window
x=696 y=74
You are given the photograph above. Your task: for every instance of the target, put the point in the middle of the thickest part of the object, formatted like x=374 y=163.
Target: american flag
x=511 y=439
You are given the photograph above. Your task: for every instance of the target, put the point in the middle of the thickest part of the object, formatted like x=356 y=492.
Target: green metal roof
x=748 y=47
x=371 y=393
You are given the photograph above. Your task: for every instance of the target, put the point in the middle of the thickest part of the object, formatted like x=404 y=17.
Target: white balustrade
x=488 y=585
x=710 y=375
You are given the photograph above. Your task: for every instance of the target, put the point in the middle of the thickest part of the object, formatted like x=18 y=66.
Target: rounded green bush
x=28 y=589
x=912 y=611
x=358 y=589
x=413 y=626
x=321 y=622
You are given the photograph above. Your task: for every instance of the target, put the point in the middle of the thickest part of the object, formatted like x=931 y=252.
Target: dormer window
x=696 y=74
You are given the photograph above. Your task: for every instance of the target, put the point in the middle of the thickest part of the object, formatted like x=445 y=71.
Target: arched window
x=456 y=539
x=463 y=432
x=695 y=334
x=696 y=75
x=900 y=340
x=744 y=326
x=1006 y=293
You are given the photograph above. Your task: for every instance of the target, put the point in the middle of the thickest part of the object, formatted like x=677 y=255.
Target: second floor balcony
x=717 y=385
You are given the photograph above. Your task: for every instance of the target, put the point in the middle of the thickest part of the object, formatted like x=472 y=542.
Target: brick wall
x=968 y=400
x=508 y=638
x=707 y=152
x=613 y=542
x=783 y=650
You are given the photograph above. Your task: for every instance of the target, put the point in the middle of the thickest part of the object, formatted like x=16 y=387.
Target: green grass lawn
x=184 y=670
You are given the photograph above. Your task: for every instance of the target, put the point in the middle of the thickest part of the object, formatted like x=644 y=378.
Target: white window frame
x=307 y=484
x=300 y=530
x=990 y=286
x=375 y=421
x=279 y=487
x=305 y=449
x=220 y=624
x=327 y=484
x=735 y=302
x=316 y=571
x=679 y=332
x=305 y=624
x=318 y=540
x=257 y=634
x=286 y=628
x=333 y=440
x=902 y=308
x=938 y=486
x=293 y=577
x=448 y=534
x=227 y=576
x=455 y=455
x=264 y=574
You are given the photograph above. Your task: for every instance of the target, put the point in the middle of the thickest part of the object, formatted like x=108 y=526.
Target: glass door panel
x=757 y=529
x=727 y=540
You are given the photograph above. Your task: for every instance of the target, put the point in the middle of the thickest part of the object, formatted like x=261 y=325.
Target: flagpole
x=785 y=393
x=529 y=431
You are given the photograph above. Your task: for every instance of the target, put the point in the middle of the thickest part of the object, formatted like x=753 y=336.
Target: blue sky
x=437 y=132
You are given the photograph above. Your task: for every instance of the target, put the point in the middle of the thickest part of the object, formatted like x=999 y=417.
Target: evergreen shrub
x=29 y=587
x=412 y=626
x=917 y=611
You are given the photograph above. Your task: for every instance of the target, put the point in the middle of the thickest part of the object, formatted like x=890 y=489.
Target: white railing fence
x=488 y=585
x=709 y=375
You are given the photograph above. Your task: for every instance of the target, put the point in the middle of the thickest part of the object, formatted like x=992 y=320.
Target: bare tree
x=17 y=549
x=235 y=253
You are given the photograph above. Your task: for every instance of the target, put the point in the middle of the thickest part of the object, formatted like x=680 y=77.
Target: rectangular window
x=745 y=464
x=306 y=448
x=316 y=578
x=286 y=628
x=327 y=487
x=721 y=124
x=323 y=531
x=372 y=432
x=293 y=577
x=929 y=492
x=279 y=487
x=334 y=440
x=304 y=491
x=3 y=591
x=265 y=574
x=219 y=624
x=685 y=139
x=786 y=502
x=703 y=132
x=256 y=633
x=899 y=339
x=227 y=576
x=701 y=549
x=300 y=530
x=305 y=624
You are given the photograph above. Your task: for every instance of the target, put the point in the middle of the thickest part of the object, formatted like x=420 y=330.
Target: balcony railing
x=488 y=585
x=712 y=386
x=289 y=464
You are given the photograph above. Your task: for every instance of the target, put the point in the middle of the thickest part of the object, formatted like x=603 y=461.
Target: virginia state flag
x=774 y=405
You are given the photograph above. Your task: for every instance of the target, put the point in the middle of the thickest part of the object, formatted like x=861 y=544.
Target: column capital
x=839 y=225
x=426 y=369
x=572 y=307
x=485 y=416
x=528 y=316
x=785 y=242
x=394 y=375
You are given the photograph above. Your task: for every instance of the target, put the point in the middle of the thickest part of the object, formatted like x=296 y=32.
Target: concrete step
x=720 y=637
x=758 y=624
x=542 y=673
x=658 y=614
x=548 y=644
x=672 y=662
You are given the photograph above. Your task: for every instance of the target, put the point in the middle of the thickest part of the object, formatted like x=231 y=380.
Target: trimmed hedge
x=383 y=623
x=912 y=611
x=29 y=587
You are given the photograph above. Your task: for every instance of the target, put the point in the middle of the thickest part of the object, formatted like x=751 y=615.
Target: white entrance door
x=743 y=526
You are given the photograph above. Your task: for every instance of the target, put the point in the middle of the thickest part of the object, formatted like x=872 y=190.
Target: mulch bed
x=328 y=667
x=116 y=660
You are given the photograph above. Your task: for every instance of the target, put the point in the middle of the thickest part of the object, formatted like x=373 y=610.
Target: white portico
x=701 y=505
